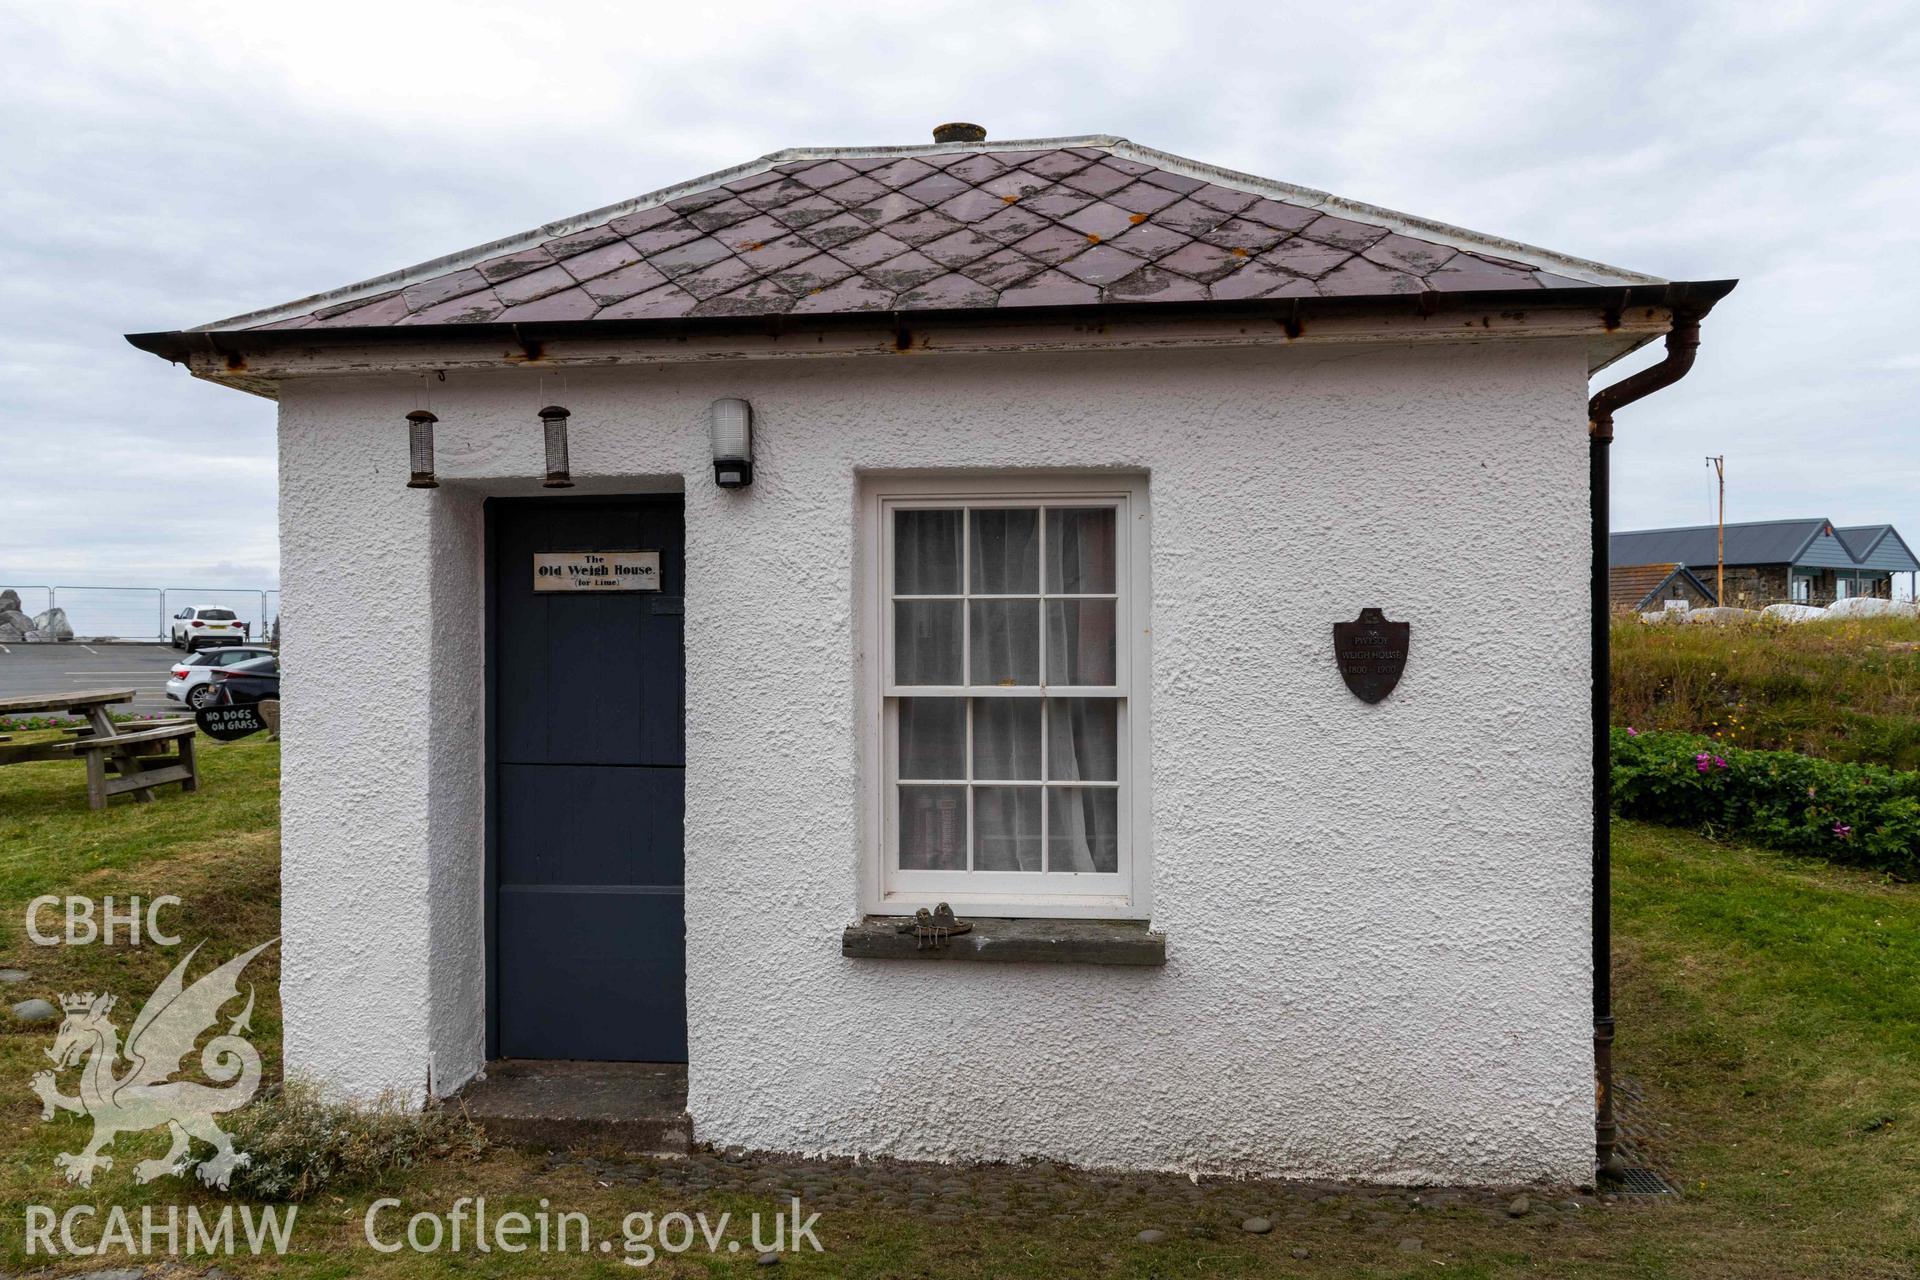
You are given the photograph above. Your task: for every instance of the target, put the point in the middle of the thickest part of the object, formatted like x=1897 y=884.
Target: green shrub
x=1857 y=814
x=300 y=1142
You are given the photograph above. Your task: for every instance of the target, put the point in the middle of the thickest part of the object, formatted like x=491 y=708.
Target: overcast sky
x=169 y=164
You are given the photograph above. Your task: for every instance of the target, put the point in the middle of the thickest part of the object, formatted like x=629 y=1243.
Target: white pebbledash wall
x=1377 y=916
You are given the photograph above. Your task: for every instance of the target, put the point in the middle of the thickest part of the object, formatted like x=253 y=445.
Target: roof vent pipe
x=958 y=132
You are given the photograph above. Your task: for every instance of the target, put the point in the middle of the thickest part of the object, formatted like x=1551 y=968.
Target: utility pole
x=1719 y=464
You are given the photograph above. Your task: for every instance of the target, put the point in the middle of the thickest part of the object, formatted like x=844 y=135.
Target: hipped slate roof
x=1790 y=542
x=959 y=226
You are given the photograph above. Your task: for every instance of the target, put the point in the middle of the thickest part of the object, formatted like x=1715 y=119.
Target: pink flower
x=1842 y=830
x=1632 y=732
x=1719 y=762
x=1703 y=762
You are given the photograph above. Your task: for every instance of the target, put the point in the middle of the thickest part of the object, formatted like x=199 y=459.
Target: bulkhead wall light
x=554 y=420
x=730 y=426
x=420 y=449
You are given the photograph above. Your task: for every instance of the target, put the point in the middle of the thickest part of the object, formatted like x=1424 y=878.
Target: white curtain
x=1003 y=552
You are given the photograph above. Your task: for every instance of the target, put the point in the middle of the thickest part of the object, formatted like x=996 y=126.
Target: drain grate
x=1643 y=1182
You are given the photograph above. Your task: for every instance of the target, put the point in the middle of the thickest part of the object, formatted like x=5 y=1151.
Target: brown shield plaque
x=1371 y=653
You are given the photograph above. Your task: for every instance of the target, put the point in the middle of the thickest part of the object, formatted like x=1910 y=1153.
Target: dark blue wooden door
x=586 y=713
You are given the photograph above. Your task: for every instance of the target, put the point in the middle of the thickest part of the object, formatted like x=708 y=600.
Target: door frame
x=489 y=601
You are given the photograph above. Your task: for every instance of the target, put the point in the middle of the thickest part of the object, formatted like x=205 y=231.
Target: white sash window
x=1008 y=639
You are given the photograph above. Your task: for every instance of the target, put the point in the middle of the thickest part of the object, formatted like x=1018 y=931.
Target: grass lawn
x=1769 y=1012
x=1846 y=689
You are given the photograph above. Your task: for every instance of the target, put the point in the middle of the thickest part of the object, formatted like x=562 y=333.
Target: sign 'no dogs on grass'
x=229 y=724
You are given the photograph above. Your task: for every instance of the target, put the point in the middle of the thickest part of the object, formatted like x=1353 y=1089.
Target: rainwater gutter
x=1683 y=341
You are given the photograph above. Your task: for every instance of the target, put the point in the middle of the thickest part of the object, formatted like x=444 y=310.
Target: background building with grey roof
x=1809 y=561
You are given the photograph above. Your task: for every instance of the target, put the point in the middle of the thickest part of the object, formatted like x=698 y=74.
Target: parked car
x=199 y=626
x=248 y=681
x=191 y=680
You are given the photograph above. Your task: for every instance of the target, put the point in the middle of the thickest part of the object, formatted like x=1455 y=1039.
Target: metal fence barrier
x=143 y=613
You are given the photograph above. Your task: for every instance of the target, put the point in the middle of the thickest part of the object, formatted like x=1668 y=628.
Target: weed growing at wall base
x=1856 y=814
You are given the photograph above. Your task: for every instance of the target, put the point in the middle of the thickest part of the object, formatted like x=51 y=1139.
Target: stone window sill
x=996 y=940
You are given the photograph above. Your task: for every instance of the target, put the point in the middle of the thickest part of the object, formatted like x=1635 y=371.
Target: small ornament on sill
x=931 y=929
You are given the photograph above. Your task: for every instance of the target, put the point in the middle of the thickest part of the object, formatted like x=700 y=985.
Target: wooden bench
x=132 y=756
x=138 y=758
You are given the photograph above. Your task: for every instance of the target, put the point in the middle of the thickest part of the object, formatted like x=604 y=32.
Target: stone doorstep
x=637 y=1108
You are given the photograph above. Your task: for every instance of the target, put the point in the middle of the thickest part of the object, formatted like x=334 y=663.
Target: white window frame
x=1124 y=894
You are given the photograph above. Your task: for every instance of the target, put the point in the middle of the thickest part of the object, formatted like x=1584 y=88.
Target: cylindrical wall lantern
x=731 y=428
x=420 y=449
x=559 y=474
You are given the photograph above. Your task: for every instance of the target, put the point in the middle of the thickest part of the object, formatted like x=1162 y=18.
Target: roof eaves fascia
x=390 y=281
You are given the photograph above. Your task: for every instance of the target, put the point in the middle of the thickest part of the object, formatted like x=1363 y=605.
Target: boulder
x=54 y=623
x=1794 y=613
x=1869 y=607
x=9 y=601
x=33 y=1011
x=17 y=620
x=11 y=634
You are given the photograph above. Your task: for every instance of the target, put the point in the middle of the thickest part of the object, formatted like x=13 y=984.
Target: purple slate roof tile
x=874 y=247
x=440 y=288
x=1357 y=276
x=960 y=248
x=771 y=255
x=1052 y=245
x=1161 y=286
x=713 y=280
x=581 y=241
x=509 y=265
x=1050 y=289
x=570 y=304
x=821 y=271
x=904 y=272
x=1203 y=262
x=1343 y=233
x=1102 y=264
x=1470 y=271
x=535 y=284
x=1260 y=280
x=472 y=308
x=666 y=300
x=948 y=291
x=963 y=229
x=1099 y=220
x=1142 y=197
x=637 y=277
x=855 y=293
x=762 y=297
x=840 y=229
x=597 y=262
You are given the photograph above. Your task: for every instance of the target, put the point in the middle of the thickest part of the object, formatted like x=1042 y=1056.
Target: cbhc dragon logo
x=144 y=1097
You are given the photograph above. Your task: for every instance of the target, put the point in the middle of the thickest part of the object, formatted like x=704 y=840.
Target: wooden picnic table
x=135 y=755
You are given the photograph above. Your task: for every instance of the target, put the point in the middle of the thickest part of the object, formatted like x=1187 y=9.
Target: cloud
x=168 y=165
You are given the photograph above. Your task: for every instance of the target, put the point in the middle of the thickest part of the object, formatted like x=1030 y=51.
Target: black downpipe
x=1683 y=340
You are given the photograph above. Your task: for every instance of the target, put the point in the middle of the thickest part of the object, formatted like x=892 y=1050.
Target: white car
x=202 y=626
x=191 y=680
